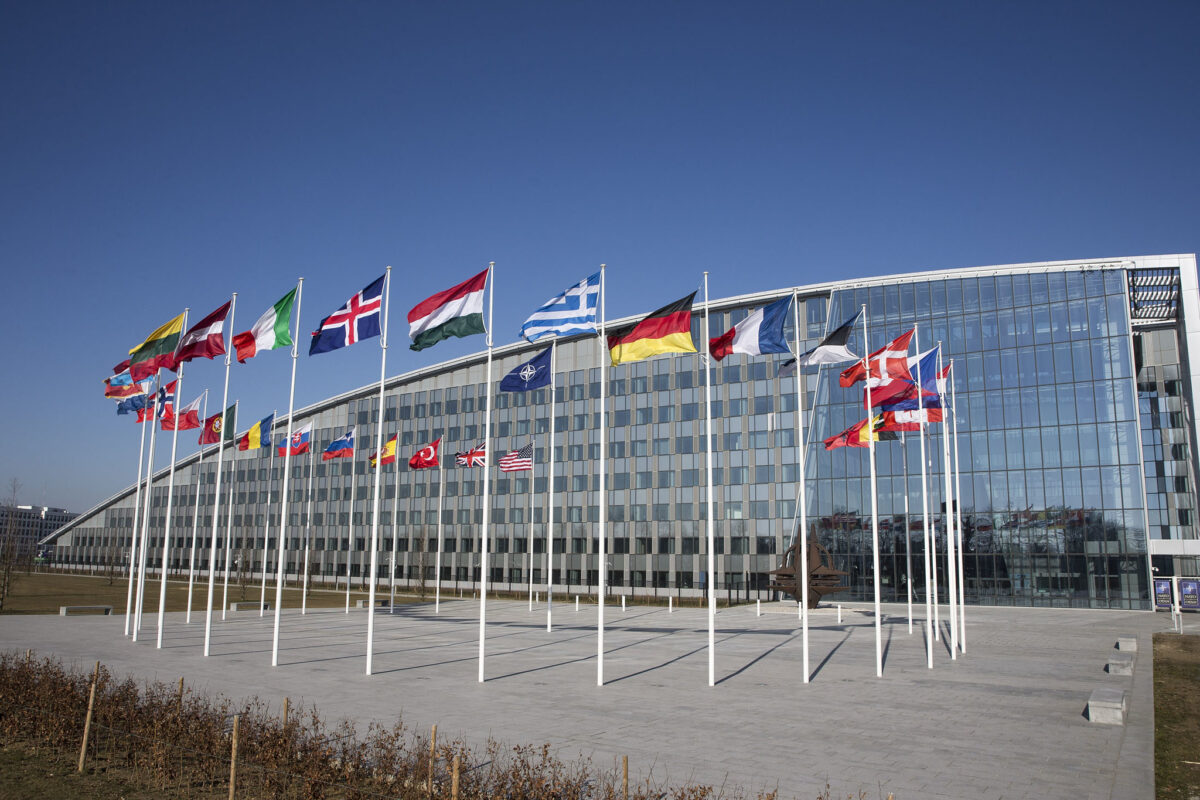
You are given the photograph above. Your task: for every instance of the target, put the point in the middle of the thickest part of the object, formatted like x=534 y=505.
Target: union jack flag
x=475 y=457
x=358 y=319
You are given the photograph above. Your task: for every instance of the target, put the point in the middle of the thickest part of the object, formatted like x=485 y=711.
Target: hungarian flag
x=388 y=453
x=258 y=436
x=426 y=457
x=458 y=311
x=757 y=334
x=187 y=418
x=832 y=349
x=299 y=443
x=206 y=339
x=157 y=351
x=219 y=424
x=667 y=330
x=859 y=435
x=270 y=332
x=340 y=448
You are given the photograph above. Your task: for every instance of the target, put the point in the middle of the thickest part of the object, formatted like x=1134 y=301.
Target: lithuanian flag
x=668 y=330
x=157 y=351
x=258 y=436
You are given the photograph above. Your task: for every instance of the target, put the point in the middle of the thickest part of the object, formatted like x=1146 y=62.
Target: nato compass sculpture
x=823 y=579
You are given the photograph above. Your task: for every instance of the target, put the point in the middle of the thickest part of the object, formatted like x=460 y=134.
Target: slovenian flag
x=458 y=311
x=757 y=334
x=300 y=442
x=340 y=448
x=270 y=332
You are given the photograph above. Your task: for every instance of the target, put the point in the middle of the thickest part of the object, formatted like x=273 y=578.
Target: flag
x=858 y=435
x=518 y=460
x=187 y=418
x=300 y=441
x=426 y=457
x=458 y=311
x=909 y=420
x=119 y=368
x=122 y=385
x=166 y=401
x=786 y=368
x=219 y=424
x=157 y=351
x=358 y=319
x=340 y=448
x=146 y=410
x=902 y=394
x=132 y=404
x=206 y=339
x=475 y=457
x=389 y=453
x=270 y=332
x=533 y=374
x=667 y=330
x=573 y=311
x=832 y=349
x=888 y=362
x=757 y=334
x=258 y=436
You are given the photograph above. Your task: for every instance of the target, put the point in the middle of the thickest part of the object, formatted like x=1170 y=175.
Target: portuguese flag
x=270 y=332
x=157 y=351
x=668 y=330
x=458 y=311
x=219 y=424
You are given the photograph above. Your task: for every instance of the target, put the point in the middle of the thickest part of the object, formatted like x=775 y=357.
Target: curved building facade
x=1076 y=447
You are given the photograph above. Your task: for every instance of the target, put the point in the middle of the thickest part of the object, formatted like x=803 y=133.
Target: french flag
x=756 y=335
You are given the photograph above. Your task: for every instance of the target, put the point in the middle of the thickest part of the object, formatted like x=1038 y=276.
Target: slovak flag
x=341 y=448
x=756 y=335
x=358 y=319
x=300 y=441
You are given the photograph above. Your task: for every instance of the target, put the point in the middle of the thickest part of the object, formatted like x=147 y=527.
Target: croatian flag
x=341 y=448
x=757 y=334
x=358 y=319
x=301 y=438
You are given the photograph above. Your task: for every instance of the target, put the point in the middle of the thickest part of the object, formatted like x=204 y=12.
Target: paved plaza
x=1004 y=721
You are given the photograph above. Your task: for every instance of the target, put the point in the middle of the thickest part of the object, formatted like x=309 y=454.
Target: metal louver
x=1153 y=295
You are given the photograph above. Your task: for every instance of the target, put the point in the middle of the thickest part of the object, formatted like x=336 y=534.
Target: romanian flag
x=858 y=435
x=258 y=436
x=389 y=452
x=668 y=330
x=157 y=351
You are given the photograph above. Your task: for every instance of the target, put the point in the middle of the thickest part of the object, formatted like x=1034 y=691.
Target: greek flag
x=573 y=311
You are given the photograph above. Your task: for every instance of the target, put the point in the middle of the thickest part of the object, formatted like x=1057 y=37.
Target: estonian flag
x=832 y=349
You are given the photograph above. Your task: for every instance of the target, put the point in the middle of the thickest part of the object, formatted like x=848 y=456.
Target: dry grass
x=1176 y=716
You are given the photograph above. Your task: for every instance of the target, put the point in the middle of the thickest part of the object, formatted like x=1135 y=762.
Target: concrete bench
x=379 y=603
x=69 y=611
x=249 y=605
x=1107 y=706
x=1120 y=664
x=1127 y=643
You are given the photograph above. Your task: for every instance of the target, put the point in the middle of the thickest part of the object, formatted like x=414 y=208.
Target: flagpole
x=387 y=286
x=133 y=542
x=212 y=560
x=801 y=457
x=312 y=468
x=907 y=544
x=353 y=501
x=487 y=447
x=930 y=628
x=196 y=518
x=529 y=548
x=141 y=586
x=948 y=514
x=229 y=522
x=874 y=513
x=166 y=549
x=603 y=495
x=395 y=527
x=437 y=579
x=706 y=363
x=550 y=495
x=281 y=545
x=266 y=548
x=962 y=595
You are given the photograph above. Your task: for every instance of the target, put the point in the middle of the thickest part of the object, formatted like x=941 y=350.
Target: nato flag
x=533 y=374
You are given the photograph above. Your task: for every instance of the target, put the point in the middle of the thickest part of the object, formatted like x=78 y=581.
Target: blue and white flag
x=358 y=319
x=573 y=311
x=533 y=374
x=756 y=335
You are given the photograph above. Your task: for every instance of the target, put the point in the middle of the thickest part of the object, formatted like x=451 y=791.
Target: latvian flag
x=270 y=332
x=299 y=443
x=759 y=333
x=205 y=339
x=667 y=330
x=458 y=311
x=518 y=460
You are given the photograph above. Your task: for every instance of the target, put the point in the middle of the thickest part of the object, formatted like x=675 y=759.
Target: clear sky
x=163 y=155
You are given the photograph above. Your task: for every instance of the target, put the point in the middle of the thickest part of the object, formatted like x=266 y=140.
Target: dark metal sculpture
x=823 y=579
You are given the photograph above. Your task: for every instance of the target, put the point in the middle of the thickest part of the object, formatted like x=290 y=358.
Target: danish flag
x=887 y=364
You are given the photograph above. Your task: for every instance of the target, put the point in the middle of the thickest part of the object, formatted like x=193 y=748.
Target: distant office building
x=30 y=525
x=1076 y=439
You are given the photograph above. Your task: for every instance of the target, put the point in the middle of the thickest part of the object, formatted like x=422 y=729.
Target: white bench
x=379 y=603
x=69 y=611
x=249 y=605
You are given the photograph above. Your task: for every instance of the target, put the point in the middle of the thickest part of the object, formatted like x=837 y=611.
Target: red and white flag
x=886 y=365
x=188 y=417
x=518 y=460
x=205 y=339
x=427 y=456
x=475 y=457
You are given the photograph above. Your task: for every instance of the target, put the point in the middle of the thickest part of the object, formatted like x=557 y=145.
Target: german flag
x=668 y=330
x=157 y=351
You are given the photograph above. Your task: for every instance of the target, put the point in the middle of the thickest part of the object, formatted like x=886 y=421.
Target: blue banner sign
x=1189 y=594
x=1162 y=593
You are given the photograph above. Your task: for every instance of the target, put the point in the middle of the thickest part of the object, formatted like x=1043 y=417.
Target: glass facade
x=1074 y=447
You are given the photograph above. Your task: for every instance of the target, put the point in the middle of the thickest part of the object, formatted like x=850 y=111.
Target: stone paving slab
x=1006 y=720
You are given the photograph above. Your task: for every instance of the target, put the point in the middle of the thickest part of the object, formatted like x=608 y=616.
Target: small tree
x=9 y=546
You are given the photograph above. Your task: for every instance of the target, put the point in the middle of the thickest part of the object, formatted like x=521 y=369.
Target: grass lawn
x=1176 y=716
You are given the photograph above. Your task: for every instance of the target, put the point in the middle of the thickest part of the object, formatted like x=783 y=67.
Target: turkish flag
x=426 y=457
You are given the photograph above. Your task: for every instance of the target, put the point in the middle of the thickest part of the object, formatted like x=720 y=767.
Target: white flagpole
x=550 y=494
x=229 y=523
x=312 y=468
x=166 y=549
x=947 y=516
x=137 y=522
x=437 y=579
x=529 y=547
x=907 y=543
x=802 y=453
x=212 y=559
x=196 y=519
x=874 y=511
x=353 y=501
x=962 y=596
x=706 y=363
x=603 y=494
x=395 y=527
x=281 y=544
x=487 y=461
x=930 y=627
x=266 y=548
x=141 y=583
x=387 y=285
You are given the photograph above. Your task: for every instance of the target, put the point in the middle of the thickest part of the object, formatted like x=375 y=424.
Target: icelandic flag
x=301 y=438
x=358 y=319
x=832 y=349
x=340 y=448
x=759 y=333
x=572 y=311
x=533 y=374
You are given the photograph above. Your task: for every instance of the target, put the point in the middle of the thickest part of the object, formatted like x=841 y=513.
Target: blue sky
x=163 y=155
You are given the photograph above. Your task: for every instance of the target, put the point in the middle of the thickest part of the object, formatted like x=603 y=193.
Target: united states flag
x=475 y=457
x=518 y=460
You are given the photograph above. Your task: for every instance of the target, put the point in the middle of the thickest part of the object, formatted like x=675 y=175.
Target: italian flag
x=270 y=332
x=458 y=311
